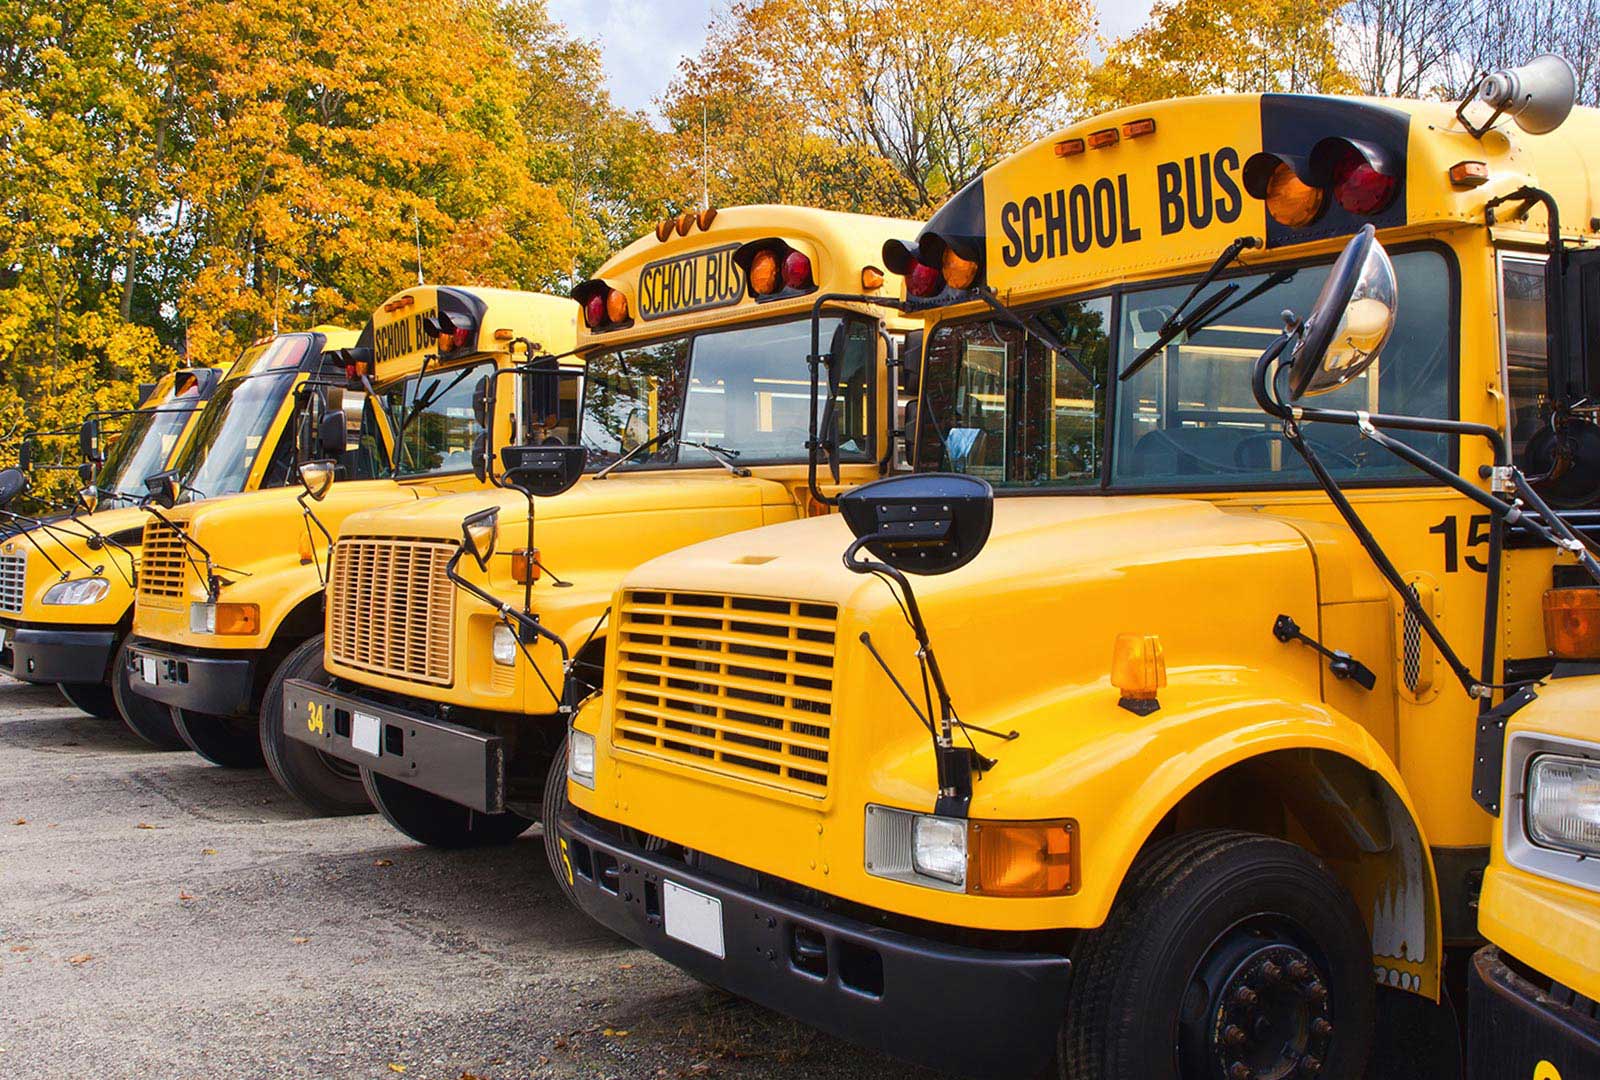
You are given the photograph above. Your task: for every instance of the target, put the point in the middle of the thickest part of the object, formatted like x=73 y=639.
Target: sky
x=643 y=40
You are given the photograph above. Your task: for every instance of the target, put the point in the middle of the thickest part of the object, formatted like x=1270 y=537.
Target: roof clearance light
x=707 y=216
x=1069 y=147
x=664 y=229
x=594 y=311
x=923 y=280
x=1290 y=200
x=616 y=306
x=959 y=273
x=764 y=274
x=685 y=222
x=1360 y=188
x=1099 y=140
x=1133 y=129
x=796 y=271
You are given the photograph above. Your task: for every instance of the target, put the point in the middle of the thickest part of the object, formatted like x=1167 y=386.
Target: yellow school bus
x=231 y=584
x=1534 y=986
x=1164 y=764
x=66 y=582
x=696 y=414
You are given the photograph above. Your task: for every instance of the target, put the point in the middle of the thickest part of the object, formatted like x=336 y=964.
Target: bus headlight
x=939 y=848
x=224 y=618
x=82 y=591
x=1564 y=804
x=919 y=849
x=580 y=758
x=503 y=645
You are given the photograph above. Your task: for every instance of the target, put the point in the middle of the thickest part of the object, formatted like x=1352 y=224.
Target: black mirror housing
x=542 y=391
x=480 y=457
x=921 y=523
x=163 y=488
x=331 y=436
x=13 y=482
x=87 y=471
x=544 y=471
x=89 y=441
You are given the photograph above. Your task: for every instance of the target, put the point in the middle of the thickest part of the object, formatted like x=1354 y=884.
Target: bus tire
x=145 y=717
x=327 y=785
x=96 y=699
x=1245 y=947
x=229 y=741
x=436 y=822
x=555 y=801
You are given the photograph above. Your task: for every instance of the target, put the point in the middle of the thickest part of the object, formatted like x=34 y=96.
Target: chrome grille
x=391 y=610
x=13 y=575
x=161 y=565
x=736 y=685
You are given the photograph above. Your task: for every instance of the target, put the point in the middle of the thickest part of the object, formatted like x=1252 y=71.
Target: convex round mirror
x=1350 y=322
x=479 y=533
x=924 y=523
x=90 y=498
x=317 y=477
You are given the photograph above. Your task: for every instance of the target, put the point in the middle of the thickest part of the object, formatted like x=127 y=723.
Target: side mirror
x=480 y=401
x=1350 y=322
x=89 y=441
x=542 y=389
x=544 y=471
x=25 y=453
x=90 y=498
x=480 y=457
x=163 y=488
x=479 y=532
x=13 y=482
x=87 y=471
x=921 y=523
x=317 y=477
x=911 y=364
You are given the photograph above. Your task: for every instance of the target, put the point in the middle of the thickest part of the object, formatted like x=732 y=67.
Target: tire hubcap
x=1258 y=1008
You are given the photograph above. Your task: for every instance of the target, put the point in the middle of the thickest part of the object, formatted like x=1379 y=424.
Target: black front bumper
x=220 y=685
x=976 y=1012
x=451 y=761
x=1515 y=1027
x=40 y=655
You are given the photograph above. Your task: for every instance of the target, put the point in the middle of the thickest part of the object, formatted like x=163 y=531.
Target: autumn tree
x=906 y=101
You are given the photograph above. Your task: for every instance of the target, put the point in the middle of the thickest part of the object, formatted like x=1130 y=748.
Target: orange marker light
x=1469 y=173
x=1572 y=622
x=664 y=229
x=525 y=566
x=504 y=334
x=307 y=555
x=1139 y=670
x=1099 y=140
x=707 y=216
x=1022 y=858
x=959 y=273
x=685 y=223
x=764 y=273
x=238 y=619
x=1290 y=200
x=616 y=306
x=1133 y=129
x=871 y=278
x=1069 y=147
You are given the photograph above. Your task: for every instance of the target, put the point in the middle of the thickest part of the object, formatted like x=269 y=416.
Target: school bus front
x=695 y=414
x=1217 y=781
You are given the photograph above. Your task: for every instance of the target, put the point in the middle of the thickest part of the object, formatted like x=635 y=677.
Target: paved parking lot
x=161 y=918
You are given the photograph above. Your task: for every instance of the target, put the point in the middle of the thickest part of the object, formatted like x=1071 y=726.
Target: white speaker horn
x=1538 y=95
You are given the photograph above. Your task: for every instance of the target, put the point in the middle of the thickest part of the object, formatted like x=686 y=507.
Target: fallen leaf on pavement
x=208 y=851
x=184 y=896
x=21 y=948
x=384 y=862
x=396 y=1068
x=144 y=825
x=81 y=958
x=624 y=967
x=301 y=940
x=20 y=821
x=616 y=1033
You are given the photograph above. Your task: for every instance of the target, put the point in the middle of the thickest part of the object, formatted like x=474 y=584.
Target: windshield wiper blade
x=720 y=454
x=1175 y=324
x=644 y=447
x=1171 y=331
x=1031 y=326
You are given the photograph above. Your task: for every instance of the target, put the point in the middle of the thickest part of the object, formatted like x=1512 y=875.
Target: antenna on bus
x=417 y=221
x=705 y=135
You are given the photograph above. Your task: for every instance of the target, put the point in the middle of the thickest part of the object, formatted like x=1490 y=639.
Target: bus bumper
x=453 y=762
x=1516 y=1029
x=975 y=1012
x=219 y=685
x=38 y=655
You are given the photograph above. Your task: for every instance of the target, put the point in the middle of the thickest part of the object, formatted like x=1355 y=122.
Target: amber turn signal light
x=1572 y=622
x=959 y=273
x=871 y=278
x=1022 y=858
x=238 y=619
x=525 y=566
x=1469 y=174
x=1290 y=200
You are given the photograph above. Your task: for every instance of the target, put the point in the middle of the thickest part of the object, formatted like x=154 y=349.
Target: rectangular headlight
x=919 y=849
x=580 y=758
x=503 y=645
x=1564 y=803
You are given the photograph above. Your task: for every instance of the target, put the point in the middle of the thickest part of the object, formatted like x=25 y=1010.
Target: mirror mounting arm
x=523 y=622
x=325 y=567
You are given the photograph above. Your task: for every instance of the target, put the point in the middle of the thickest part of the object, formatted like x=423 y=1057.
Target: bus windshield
x=229 y=434
x=999 y=403
x=141 y=450
x=432 y=412
x=745 y=389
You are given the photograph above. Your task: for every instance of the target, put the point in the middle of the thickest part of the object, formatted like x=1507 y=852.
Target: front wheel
x=145 y=717
x=96 y=699
x=325 y=784
x=229 y=741
x=1227 y=955
x=555 y=801
x=436 y=822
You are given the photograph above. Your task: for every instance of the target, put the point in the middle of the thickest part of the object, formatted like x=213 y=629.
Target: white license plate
x=147 y=669
x=693 y=918
x=364 y=731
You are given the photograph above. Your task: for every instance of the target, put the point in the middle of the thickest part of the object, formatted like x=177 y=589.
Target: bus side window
x=1526 y=362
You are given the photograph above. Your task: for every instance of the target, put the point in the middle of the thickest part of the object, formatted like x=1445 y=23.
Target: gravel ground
x=161 y=918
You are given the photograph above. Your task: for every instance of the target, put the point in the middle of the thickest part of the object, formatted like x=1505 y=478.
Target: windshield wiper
x=720 y=454
x=1030 y=325
x=641 y=448
x=1176 y=323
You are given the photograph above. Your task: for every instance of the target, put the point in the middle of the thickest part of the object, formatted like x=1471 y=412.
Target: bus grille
x=735 y=685
x=13 y=573
x=391 y=609
x=161 y=565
